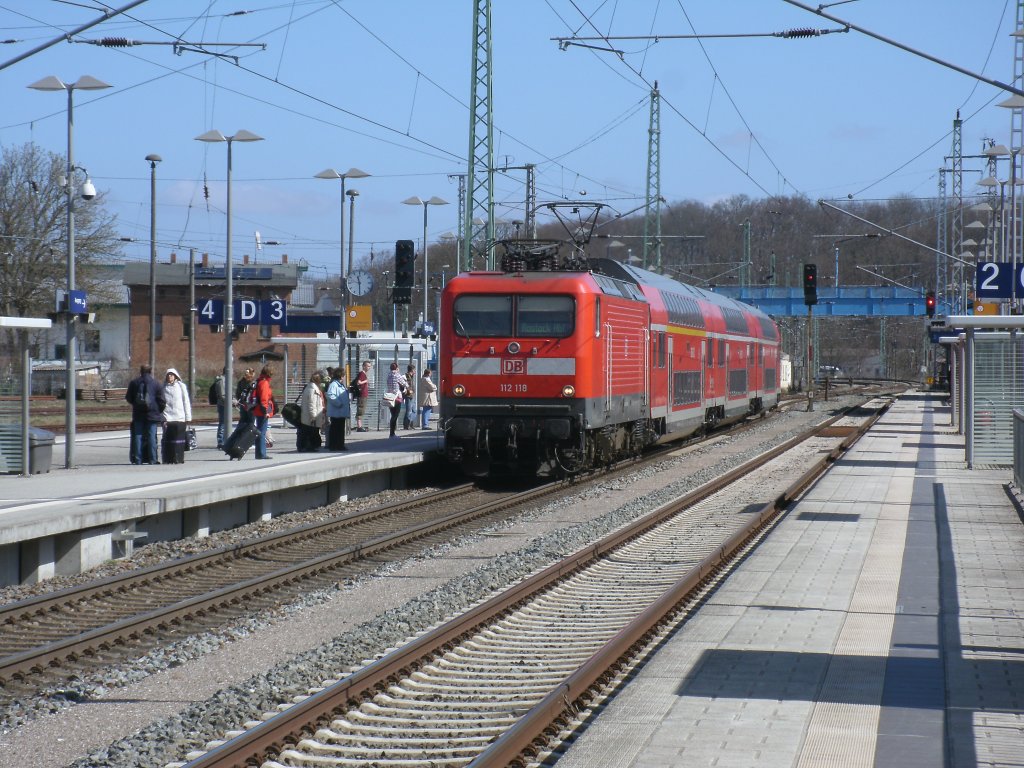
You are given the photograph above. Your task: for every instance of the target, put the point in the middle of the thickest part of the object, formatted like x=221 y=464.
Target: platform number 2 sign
x=998 y=280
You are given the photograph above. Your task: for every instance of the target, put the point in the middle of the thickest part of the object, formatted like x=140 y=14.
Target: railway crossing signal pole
x=810 y=299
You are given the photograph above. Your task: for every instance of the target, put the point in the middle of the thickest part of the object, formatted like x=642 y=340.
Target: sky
x=384 y=86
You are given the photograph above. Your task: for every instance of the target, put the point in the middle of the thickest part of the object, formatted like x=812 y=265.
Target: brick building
x=174 y=310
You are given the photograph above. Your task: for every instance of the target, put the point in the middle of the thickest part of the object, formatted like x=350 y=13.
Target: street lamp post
x=352 y=195
x=84 y=83
x=152 y=160
x=426 y=273
x=216 y=136
x=351 y=173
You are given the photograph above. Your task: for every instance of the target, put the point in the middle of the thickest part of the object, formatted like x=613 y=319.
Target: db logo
x=513 y=366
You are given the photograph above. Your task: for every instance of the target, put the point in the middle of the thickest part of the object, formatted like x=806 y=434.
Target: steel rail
x=17 y=666
x=111 y=585
x=526 y=739
x=120 y=632
x=269 y=738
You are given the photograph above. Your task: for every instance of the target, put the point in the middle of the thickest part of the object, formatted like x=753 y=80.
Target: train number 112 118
x=517 y=388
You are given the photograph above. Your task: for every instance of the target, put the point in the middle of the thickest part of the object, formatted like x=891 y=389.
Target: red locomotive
x=549 y=369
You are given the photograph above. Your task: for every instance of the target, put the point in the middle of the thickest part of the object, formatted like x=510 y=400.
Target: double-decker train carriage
x=558 y=371
x=551 y=367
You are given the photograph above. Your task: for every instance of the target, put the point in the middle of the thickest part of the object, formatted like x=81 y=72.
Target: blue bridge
x=855 y=300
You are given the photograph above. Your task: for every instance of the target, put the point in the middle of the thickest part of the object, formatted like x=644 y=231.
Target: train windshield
x=546 y=316
x=476 y=316
x=529 y=316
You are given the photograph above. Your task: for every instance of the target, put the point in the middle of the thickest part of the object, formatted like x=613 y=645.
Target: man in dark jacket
x=146 y=396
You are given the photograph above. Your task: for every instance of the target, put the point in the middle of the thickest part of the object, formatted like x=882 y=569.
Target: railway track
x=49 y=638
x=491 y=687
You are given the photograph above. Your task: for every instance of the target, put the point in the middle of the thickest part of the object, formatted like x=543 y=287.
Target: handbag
x=191 y=443
x=389 y=399
x=292 y=413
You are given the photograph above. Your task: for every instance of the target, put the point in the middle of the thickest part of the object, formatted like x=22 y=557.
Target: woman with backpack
x=243 y=390
x=216 y=397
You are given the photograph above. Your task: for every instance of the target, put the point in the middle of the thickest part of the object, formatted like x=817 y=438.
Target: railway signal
x=929 y=303
x=810 y=284
x=405 y=274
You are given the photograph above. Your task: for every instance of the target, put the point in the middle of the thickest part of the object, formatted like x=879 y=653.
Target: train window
x=553 y=316
x=661 y=349
x=476 y=316
x=721 y=353
x=597 y=318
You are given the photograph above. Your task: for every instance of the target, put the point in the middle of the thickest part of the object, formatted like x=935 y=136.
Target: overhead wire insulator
x=800 y=32
x=115 y=42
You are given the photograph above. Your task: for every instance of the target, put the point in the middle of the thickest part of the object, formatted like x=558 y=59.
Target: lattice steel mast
x=941 y=261
x=652 y=216
x=479 y=218
x=957 y=234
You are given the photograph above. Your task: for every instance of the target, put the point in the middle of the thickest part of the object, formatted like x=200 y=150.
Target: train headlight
x=513 y=347
x=568 y=390
x=458 y=390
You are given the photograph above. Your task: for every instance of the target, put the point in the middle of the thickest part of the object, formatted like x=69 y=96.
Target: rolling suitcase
x=242 y=439
x=173 y=447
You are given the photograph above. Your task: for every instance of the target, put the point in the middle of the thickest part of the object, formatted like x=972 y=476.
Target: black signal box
x=810 y=284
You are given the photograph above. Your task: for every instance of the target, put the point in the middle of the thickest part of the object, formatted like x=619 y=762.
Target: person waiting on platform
x=428 y=398
x=261 y=405
x=313 y=416
x=338 y=410
x=409 y=396
x=246 y=383
x=178 y=414
x=146 y=396
x=362 y=393
x=393 y=397
x=218 y=397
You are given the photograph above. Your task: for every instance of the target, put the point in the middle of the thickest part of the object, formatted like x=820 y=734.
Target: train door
x=707 y=353
x=609 y=356
x=701 y=365
x=646 y=395
x=752 y=383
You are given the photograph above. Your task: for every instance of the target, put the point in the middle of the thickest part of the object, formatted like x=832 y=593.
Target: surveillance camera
x=88 y=190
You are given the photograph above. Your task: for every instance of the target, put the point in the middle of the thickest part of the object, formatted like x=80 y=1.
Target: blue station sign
x=995 y=280
x=246 y=312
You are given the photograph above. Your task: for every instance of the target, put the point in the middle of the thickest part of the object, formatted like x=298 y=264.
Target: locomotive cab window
x=529 y=316
x=550 y=316
x=476 y=316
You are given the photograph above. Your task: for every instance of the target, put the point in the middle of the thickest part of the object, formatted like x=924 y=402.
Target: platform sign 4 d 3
x=246 y=312
x=995 y=280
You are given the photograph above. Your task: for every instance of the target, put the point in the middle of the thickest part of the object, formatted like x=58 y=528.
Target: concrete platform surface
x=880 y=624
x=67 y=520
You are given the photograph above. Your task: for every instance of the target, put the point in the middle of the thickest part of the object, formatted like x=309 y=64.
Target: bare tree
x=33 y=235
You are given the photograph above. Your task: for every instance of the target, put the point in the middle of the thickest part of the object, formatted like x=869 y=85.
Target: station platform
x=68 y=520
x=881 y=623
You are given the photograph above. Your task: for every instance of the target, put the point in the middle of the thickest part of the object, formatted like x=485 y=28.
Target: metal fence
x=1018 y=448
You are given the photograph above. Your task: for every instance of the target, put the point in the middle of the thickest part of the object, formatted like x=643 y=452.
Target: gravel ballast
x=174 y=700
